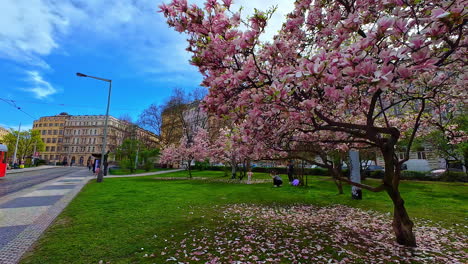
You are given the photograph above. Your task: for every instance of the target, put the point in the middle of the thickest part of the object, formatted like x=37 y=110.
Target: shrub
x=202 y=165
x=280 y=170
x=374 y=174
x=416 y=175
x=39 y=162
x=454 y=176
x=148 y=166
x=126 y=164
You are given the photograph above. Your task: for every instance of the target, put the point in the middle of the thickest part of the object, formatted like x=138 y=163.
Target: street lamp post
x=16 y=145
x=103 y=150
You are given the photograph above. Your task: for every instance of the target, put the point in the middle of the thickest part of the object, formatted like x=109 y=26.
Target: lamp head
x=79 y=74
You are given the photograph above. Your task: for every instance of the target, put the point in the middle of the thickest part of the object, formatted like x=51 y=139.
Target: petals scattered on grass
x=310 y=234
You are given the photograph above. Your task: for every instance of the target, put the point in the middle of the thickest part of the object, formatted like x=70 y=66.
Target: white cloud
x=28 y=30
x=276 y=21
x=40 y=88
x=33 y=29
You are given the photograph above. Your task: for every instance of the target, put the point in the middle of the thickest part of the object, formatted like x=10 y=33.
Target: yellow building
x=3 y=132
x=51 y=129
x=76 y=138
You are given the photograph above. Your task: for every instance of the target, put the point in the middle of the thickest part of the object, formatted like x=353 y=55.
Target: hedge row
x=405 y=175
x=452 y=176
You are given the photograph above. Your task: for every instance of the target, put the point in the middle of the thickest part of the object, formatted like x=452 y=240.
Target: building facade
x=51 y=129
x=3 y=132
x=75 y=138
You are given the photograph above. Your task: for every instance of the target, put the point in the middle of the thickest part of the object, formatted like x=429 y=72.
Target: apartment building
x=3 y=132
x=51 y=129
x=75 y=138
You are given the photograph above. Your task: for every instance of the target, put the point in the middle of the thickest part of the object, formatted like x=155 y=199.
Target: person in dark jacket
x=277 y=181
x=290 y=171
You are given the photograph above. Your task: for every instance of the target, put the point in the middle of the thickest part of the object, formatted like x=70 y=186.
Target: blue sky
x=43 y=43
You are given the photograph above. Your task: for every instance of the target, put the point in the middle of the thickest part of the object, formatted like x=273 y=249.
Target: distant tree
x=188 y=151
x=27 y=140
x=126 y=154
x=446 y=141
x=172 y=120
x=147 y=156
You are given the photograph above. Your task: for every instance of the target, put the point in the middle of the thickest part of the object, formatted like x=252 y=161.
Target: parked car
x=416 y=165
x=440 y=172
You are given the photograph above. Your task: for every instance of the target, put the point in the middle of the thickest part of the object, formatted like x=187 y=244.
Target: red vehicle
x=3 y=163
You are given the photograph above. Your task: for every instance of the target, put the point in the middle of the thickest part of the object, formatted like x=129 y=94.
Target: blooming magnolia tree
x=234 y=147
x=358 y=74
x=188 y=150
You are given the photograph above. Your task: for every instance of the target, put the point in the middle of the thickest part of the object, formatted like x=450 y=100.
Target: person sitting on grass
x=277 y=181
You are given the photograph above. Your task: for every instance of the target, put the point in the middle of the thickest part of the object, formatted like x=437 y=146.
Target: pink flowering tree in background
x=188 y=150
x=352 y=73
x=233 y=147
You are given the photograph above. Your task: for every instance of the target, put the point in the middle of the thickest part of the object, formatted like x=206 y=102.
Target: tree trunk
x=233 y=171
x=402 y=224
x=233 y=168
x=336 y=174
x=189 y=168
x=339 y=185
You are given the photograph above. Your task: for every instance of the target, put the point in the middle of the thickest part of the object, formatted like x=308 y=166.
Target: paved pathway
x=142 y=174
x=26 y=214
x=18 y=181
x=44 y=167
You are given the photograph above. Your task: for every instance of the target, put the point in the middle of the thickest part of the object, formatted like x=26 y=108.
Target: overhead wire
x=69 y=105
x=13 y=104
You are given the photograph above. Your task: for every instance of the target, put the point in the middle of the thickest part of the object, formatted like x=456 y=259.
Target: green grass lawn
x=127 y=171
x=121 y=219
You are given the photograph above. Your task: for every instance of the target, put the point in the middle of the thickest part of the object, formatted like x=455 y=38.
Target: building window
x=59 y=140
x=46 y=156
x=43 y=132
x=55 y=132
x=52 y=149
x=58 y=149
x=57 y=157
x=47 y=149
x=60 y=132
x=50 y=124
x=49 y=132
x=48 y=140
x=72 y=149
x=54 y=140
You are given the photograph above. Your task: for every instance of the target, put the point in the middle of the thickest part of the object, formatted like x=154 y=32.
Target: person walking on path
x=249 y=176
x=290 y=171
x=89 y=164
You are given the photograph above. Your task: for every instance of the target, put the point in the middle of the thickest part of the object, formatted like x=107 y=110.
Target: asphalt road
x=19 y=181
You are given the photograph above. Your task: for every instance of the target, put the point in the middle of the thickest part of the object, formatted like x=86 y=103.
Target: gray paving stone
x=32 y=201
x=9 y=233
x=58 y=187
